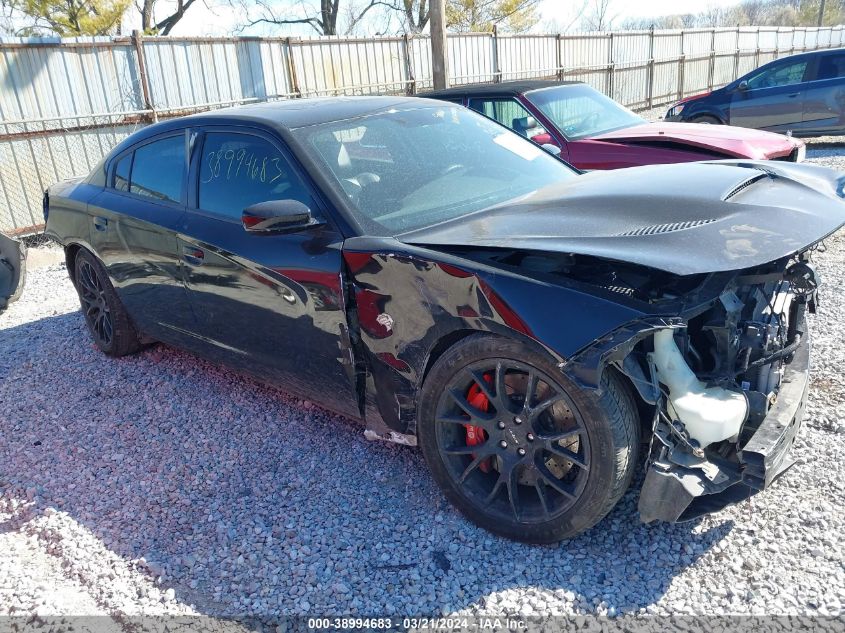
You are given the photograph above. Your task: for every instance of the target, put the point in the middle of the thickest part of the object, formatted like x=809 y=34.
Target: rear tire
x=107 y=320
x=527 y=455
x=706 y=120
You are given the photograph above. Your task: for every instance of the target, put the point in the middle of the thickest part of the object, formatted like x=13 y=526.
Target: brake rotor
x=516 y=385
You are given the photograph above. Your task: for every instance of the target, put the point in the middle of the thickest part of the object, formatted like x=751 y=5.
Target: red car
x=592 y=131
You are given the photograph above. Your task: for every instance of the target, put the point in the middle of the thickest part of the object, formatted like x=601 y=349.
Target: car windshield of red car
x=580 y=112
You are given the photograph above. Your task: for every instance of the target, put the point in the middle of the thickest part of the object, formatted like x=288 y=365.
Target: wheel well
x=707 y=115
x=70 y=259
x=442 y=345
x=645 y=411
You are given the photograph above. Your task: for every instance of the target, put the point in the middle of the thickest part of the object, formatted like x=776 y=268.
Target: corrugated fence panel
x=65 y=103
x=586 y=57
x=335 y=66
x=421 y=61
x=522 y=56
x=471 y=58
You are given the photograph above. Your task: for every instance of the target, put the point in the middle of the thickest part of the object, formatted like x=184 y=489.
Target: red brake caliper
x=475 y=434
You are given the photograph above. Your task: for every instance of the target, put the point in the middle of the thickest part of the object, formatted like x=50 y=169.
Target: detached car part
x=12 y=270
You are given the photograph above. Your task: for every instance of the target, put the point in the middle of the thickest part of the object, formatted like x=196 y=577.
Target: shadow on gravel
x=249 y=502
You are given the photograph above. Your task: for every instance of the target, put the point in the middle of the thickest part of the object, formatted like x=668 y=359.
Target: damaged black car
x=538 y=332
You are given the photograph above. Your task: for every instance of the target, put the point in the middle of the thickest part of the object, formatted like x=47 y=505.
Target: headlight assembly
x=675 y=110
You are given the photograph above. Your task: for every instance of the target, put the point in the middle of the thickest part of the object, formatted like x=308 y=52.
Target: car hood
x=726 y=140
x=12 y=270
x=684 y=219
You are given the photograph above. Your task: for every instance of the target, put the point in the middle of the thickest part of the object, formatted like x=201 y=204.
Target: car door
x=271 y=304
x=771 y=98
x=134 y=221
x=824 y=98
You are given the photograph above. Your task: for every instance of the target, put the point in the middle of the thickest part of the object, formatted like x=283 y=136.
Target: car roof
x=283 y=115
x=816 y=53
x=504 y=88
x=296 y=113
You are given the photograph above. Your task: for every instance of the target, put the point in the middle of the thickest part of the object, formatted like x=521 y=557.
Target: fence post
x=757 y=51
x=736 y=58
x=439 y=57
x=411 y=85
x=559 y=56
x=681 y=65
x=497 y=70
x=294 y=84
x=142 y=74
x=711 y=71
x=650 y=73
x=611 y=68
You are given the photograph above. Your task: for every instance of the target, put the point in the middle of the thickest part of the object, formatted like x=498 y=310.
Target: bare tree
x=323 y=19
x=599 y=15
x=713 y=16
x=164 y=26
x=414 y=14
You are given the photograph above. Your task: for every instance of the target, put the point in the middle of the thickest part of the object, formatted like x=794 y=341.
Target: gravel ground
x=161 y=484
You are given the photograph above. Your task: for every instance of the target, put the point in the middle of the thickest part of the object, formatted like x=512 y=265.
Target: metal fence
x=65 y=103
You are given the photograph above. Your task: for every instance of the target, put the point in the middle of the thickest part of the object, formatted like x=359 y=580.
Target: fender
x=398 y=333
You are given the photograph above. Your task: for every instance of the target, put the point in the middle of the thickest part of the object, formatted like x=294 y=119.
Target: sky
x=215 y=17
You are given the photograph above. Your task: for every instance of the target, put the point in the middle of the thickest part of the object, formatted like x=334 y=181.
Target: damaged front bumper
x=683 y=483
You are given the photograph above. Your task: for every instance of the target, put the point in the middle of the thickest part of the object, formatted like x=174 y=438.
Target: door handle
x=193 y=255
x=100 y=223
x=793 y=95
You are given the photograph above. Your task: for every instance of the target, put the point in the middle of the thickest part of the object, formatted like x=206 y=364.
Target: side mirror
x=742 y=86
x=554 y=150
x=277 y=215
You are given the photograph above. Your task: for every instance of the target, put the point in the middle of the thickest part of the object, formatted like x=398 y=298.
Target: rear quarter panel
x=67 y=220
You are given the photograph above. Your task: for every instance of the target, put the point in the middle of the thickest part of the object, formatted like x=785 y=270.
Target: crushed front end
x=730 y=386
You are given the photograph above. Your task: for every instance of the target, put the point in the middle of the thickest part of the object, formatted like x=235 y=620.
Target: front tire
x=706 y=120
x=106 y=318
x=520 y=449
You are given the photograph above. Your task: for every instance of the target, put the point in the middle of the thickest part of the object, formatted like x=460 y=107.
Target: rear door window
x=238 y=170
x=158 y=170
x=831 y=67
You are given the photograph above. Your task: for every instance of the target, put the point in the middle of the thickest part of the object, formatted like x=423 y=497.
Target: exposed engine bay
x=719 y=380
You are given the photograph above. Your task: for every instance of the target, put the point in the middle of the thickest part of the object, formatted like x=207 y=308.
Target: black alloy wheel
x=533 y=458
x=95 y=306
x=518 y=447
x=106 y=318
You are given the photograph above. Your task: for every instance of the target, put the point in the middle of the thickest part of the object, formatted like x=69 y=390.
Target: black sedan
x=413 y=265
x=802 y=94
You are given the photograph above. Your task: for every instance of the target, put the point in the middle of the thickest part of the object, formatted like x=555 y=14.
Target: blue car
x=803 y=94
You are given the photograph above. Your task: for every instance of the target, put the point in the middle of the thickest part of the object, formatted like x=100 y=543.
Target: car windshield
x=402 y=170
x=578 y=111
